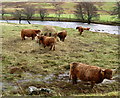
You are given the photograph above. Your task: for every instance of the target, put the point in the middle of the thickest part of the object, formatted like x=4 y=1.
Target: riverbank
x=39 y=67
x=114 y=23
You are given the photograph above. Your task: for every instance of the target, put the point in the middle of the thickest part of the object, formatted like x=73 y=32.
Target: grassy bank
x=43 y=68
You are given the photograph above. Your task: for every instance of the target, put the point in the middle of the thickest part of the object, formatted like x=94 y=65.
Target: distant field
x=104 y=9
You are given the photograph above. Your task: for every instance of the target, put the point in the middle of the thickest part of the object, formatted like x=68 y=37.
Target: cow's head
x=107 y=73
x=88 y=28
x=37 y=32
x=77 y=27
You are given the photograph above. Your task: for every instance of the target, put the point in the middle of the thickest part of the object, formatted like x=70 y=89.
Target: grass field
x=49 y=69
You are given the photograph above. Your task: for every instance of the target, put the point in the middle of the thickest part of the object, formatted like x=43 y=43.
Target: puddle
x=8 y=86
x=63 y=77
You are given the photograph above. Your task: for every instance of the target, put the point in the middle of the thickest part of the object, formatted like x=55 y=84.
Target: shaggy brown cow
x=29 y=33
x=80 y=29
x=62 y=35
x=47 y=41
x=89 y=73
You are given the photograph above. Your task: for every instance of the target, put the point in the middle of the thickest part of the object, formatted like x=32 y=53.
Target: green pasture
x=108 y=18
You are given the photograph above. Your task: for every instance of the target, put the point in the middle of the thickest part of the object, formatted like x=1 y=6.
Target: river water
x=93 y=27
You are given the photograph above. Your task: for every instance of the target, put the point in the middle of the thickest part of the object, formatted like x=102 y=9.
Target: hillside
x=40 y=67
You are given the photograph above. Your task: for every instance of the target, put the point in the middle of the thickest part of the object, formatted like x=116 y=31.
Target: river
x=93 y=27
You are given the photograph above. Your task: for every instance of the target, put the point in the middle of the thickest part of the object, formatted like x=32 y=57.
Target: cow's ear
x=39 y=31
x=77 y=27
x=103 y=72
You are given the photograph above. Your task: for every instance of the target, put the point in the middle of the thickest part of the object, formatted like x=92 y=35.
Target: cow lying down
x=85 y=72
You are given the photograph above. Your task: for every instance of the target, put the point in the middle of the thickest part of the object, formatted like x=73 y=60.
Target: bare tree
x=29 y=11
x=116 y=10
x=18 y=15
x=58 y=9
x=3 y=13
x=43 y=13
x=88 y=11
x=79 y=11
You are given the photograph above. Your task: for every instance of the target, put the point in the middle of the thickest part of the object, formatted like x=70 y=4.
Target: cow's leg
x=33 y=37
x=60 y=38
x=54 y=47
x=44 y=46
x=70 y=75
x=51 y=47
x=80 y=33
x=63 y=39
x=92 y=84
x=74 y=80
x=23 y=37
x=39 y=42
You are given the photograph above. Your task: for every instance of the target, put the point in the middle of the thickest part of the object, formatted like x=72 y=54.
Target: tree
x=43 y=13
x=3 y=13
x=18 y=15
x=29 y=11
x=87 y=11
x=116 y=10
x=58 y=9
x=79 y=11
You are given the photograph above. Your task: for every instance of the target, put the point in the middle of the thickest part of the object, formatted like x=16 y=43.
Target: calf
x=47 y=41
x=62 y=35
x=29 y=33
x=80 y=29
x=89 y=73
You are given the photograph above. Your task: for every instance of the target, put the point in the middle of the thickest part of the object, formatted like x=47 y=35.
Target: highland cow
x=80 y=29
x=29 y=33
x=62 y=35
x=47 y=41
x=89 y=73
